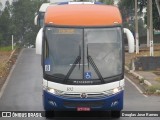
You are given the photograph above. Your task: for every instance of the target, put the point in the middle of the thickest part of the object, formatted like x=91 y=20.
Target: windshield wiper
x=77 y=60
x=90 y=60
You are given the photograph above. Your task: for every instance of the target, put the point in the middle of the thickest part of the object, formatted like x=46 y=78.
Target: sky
x=3 y=2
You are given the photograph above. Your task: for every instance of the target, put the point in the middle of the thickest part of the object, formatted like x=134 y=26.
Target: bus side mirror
x=130 y=39
x=36 y=20
x=39 y=39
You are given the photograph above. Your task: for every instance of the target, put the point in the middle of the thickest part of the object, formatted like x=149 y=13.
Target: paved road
x=24 y=90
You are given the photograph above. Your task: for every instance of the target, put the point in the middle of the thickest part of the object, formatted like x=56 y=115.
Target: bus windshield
x=77 y=52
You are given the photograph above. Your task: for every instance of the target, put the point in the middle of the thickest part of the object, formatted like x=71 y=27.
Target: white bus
x=83 y=58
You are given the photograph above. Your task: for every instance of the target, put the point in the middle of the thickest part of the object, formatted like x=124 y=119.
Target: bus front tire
x=49 y=114
x=115 y=114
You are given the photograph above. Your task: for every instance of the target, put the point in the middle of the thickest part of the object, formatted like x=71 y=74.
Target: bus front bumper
x=59 y=103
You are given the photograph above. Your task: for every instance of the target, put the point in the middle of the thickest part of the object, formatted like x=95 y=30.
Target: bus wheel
x=115 y=114
x=49 y=114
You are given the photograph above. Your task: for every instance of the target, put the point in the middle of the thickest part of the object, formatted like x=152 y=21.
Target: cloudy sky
x=3 y=2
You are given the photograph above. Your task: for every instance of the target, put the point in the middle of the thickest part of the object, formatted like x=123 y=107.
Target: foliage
x=108 y=2
x=142 y=4
x=17 y=19
x=22 y=17
x=5 y=21
x=156 y=17
x=127 y=10
x=128 y=14
x=153 y=89
x=0 y=8
x=141 y=80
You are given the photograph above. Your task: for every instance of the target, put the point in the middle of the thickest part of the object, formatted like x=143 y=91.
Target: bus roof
x=44 y=7
x=83 y=15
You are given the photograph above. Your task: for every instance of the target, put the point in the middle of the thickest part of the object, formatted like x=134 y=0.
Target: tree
x=23 y=13
x=0 y=8
x=127 y=8
x=156 y=17
x=5 y=22
x=17 y=19
x=108 y=2
x=158 y=5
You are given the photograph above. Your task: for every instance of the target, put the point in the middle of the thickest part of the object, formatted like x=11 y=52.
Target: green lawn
x=6 y=48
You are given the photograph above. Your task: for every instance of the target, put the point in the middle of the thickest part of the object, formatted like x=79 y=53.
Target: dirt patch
x=6 y=63
x=4 y=56
x=157 y=73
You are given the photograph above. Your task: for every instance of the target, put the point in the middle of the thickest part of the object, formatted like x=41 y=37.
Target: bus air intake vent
x=83 y=104
x=89 y=95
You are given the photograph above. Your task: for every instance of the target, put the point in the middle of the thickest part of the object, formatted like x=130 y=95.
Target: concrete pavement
x=148 y=77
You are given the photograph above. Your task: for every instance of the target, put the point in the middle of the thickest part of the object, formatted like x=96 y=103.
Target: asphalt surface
x=23 y=91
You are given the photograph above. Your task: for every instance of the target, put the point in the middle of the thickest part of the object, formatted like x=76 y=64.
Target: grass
x=158 y=79
x=141 y=80
x=6 y=48
x=147 y=53
x=153 y=89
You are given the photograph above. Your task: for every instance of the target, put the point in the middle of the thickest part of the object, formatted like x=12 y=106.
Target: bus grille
x=89 y=95
x=83 y=104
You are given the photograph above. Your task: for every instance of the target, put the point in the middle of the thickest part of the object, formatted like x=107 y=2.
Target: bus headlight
x=116 y=90
x=50 y=90
x=113 y=91
x=54 y=91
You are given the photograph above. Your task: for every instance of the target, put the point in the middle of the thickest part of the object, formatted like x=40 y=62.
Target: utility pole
x=136 y=28
x=148 y=24
x=12 y=43
x=151 y=29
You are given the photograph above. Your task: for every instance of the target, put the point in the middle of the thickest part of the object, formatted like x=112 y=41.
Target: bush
x=153 y=89
x=141 y=80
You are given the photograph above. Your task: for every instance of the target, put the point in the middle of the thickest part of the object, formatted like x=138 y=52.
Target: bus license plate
x=83 y=109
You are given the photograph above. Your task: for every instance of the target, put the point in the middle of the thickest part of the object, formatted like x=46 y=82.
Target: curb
x=146 y=82
x=11 y=55
x=10 y=72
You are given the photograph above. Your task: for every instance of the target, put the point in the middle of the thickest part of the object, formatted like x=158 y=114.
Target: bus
x=39 y=16
x=82 y=56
